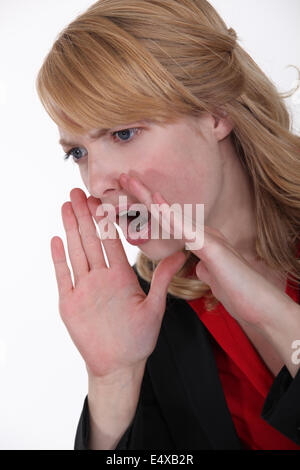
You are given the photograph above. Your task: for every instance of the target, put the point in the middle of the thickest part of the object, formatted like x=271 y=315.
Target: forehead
x=66 y=137
x=92 y=134
x=71 y=139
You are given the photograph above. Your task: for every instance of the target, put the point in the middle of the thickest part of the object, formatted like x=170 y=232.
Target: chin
x=159 y=249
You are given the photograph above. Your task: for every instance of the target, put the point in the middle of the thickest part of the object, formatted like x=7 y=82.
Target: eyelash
x=112 y=134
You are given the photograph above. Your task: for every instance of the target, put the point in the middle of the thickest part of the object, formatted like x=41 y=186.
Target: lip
x=127 y=207
x=113 y=213
x=140 y=241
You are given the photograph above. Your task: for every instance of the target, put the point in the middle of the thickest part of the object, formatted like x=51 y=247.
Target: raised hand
x=244 y=292
x=111 y=321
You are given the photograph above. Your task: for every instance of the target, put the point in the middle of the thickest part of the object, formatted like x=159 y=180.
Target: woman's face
x=174 y=160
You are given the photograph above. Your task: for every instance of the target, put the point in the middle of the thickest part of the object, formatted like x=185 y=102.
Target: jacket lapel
x=186 y=383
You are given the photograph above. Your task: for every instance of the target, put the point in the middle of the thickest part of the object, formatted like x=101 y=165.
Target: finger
x=62 y=271
x=192 y=233
x=110 y=238
x=162 y=276
x=76 y=253
x=88 y=232
x=158 y=199
x=173 y=220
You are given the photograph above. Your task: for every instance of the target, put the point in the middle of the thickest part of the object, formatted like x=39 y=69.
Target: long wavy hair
x=123 y=61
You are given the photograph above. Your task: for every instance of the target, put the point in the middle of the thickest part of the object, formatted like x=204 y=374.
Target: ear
x=223 y=125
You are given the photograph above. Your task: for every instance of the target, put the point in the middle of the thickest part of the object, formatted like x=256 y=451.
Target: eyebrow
x=95 y=136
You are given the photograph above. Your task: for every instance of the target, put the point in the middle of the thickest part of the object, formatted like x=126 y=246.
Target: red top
x=245 y=378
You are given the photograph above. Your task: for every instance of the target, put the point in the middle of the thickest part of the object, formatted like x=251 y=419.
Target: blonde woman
x=194 y=347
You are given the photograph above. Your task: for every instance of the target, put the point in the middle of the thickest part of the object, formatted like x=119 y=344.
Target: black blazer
x=181 y=404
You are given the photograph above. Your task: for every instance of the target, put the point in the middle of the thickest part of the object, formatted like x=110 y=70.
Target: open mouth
x=130 y=216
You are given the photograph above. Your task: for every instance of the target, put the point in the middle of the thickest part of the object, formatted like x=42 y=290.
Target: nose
x=100 y=188
x=103 y=183
x=102 y=172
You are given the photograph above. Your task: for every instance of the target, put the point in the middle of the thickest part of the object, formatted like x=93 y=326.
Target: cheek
x=195 y=174
x=84 y=174
x=174 y=175
x=185 y=173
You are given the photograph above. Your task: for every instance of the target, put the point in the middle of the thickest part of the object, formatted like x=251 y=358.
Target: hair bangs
x=100 y=81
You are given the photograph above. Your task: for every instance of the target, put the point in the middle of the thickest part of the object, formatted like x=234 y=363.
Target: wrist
x=283 y=332
x=120 y=376
x=283 y=318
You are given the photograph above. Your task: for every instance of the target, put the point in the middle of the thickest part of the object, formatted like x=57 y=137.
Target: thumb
x=161 y=279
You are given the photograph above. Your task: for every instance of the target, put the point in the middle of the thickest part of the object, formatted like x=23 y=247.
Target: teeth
x=132 y=213
x=122 y=213
x=129 y=213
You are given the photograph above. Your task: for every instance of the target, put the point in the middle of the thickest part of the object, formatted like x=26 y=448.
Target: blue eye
x=124 y=133
x=76 y=156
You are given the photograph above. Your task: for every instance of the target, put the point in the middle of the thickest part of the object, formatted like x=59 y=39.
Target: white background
x=43 y=377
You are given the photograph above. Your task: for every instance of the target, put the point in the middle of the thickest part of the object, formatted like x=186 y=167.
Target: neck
x=234 y=213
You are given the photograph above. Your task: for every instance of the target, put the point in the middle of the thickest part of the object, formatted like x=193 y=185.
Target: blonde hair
x=128 y=60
